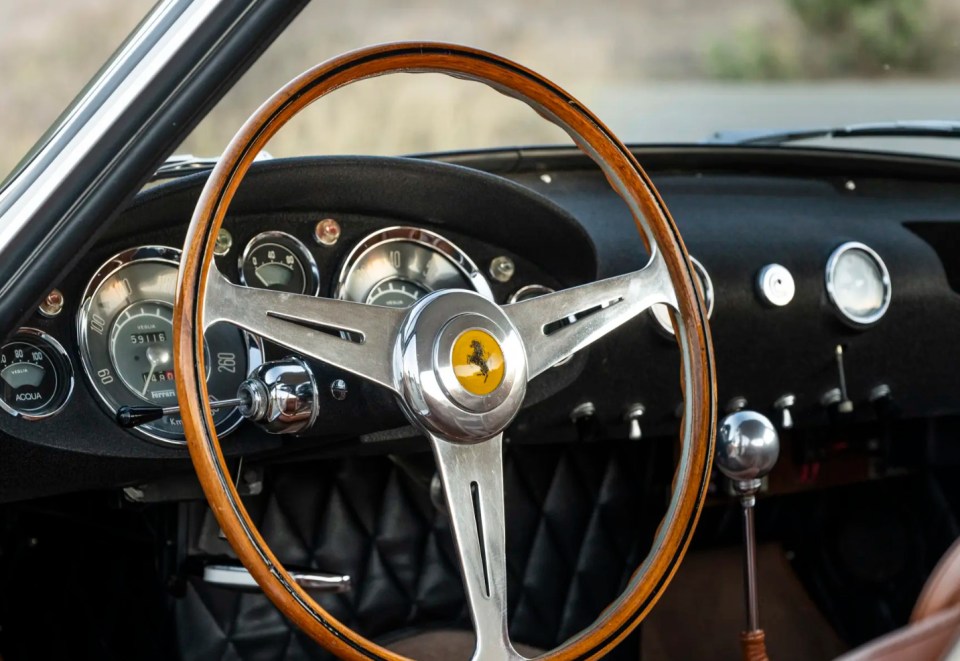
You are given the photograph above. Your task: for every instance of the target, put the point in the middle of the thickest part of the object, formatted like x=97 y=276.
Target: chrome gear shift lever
x=747 y=449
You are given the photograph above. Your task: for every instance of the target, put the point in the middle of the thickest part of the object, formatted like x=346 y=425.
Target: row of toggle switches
x=584 y=415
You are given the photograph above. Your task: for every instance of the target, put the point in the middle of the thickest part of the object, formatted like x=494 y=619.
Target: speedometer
x=125 y=330
x=397 y=266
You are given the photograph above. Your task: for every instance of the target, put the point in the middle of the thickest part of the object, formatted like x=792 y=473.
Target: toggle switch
x=632 y=416
x=838 y=396
x=584 y=417
x=784 y=404
x=881 y=397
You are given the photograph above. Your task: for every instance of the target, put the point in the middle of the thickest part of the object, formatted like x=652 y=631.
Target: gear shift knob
x=747 y=449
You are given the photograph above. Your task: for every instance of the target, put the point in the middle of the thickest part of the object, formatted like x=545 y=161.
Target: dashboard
x=831 y=280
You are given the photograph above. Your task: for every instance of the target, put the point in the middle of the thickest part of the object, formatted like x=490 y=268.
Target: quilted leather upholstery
x=580 y=518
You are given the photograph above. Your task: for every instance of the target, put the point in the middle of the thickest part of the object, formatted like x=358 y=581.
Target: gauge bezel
x=309 y=262
x=146 y=254
x=423 y=237
x=521 y=294
x=50 y=343
x=857 y=321
x=708 y=293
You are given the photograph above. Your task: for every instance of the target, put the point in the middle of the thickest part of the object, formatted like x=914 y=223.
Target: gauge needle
x=157 y=356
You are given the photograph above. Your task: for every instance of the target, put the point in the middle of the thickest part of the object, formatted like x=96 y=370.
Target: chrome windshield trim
x=160 y=38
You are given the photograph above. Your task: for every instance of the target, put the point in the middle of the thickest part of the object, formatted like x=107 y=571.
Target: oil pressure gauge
x=36 y=377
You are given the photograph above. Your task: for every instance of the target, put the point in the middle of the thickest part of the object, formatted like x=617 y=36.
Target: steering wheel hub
x=460 y=366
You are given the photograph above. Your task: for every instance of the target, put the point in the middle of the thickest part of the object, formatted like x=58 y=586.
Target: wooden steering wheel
x=458 y=363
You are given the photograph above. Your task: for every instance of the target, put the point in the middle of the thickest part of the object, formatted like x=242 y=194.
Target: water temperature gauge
x=36 y=378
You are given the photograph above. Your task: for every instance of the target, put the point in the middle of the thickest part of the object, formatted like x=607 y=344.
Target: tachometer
x=397 y=266
x=126 y=341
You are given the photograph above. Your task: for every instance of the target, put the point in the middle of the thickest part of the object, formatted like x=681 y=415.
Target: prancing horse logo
x=479 y=358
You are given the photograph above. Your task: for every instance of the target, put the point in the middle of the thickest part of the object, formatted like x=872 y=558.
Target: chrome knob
x=281 y=396
x=747 y=449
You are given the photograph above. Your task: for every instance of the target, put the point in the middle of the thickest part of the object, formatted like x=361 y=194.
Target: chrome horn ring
x=468 y=394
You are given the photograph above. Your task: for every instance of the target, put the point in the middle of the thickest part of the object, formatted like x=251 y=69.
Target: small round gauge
x=279 y=261
x=661 y=313
x=397 y=266
x=126 y=342
x=36 y=377
x=858 y=284
x=527 y=292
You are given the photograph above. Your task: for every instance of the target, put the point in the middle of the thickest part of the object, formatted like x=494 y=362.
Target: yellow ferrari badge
x=478 y=362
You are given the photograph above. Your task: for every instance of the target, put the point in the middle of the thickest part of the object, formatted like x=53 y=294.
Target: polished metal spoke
x=472 y=477
x=556 y=325
x=355 y=337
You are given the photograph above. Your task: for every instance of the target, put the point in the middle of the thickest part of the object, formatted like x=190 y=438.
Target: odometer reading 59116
x=126 y=341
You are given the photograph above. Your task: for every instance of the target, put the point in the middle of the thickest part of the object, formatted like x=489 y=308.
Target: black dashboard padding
x=735 y=224
x=436 y=195
x=944 y=238
x=485 y=214
x=737 y=210
x=580 y=520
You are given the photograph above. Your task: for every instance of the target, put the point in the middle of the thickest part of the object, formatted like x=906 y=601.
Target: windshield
x=654 y=72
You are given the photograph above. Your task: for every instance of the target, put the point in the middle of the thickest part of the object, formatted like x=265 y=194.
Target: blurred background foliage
x=671 y=70
x=842 y=38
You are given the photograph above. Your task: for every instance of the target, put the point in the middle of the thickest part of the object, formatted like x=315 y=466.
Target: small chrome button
x=223 y=243
x=775 y=285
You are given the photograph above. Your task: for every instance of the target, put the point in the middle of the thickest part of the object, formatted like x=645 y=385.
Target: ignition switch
x=281 y=396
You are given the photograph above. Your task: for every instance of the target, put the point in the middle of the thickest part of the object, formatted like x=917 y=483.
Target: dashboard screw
x=52 y=305
x=502 y=268
x=223 y=243
x=338 y=389
x=327 y=232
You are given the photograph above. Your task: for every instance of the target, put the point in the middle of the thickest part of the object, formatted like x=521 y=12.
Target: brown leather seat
x=934 y=629
x=932 y=635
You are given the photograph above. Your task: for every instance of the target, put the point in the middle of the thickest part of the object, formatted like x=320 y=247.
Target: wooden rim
x=653 y=221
